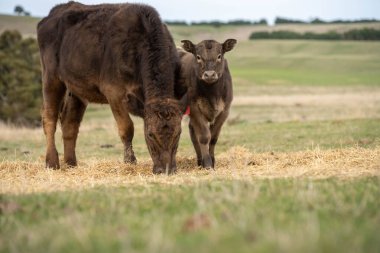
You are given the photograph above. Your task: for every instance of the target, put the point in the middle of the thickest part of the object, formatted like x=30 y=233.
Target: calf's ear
x=188 y=46
x=228 y=45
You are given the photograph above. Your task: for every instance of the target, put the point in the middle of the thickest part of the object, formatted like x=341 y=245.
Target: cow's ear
x=188 y=46
x=228 y=45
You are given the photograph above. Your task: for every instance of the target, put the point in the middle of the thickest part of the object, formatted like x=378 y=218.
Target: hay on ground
x=18 y=177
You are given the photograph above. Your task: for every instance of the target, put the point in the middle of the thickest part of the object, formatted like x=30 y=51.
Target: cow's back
x=66 y=30
x=88 y=46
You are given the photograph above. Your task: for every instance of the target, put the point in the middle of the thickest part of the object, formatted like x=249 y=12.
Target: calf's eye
x=219 y=57
x=199 y=58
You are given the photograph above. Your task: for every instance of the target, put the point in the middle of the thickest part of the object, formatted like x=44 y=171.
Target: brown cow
x=207 y=77
x=120 y=54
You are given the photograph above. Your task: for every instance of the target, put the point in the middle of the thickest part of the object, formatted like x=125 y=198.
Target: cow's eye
x=199 y=58
x=219 y=57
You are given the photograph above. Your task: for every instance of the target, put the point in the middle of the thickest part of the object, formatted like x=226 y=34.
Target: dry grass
x=237 y=163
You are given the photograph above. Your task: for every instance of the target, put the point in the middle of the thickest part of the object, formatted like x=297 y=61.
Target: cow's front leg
x=125 y=126
x=203 y=136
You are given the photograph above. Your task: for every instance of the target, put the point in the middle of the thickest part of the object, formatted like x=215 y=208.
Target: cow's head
x=209 y=55
x=162 y=129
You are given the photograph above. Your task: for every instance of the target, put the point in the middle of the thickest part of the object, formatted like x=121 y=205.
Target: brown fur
x=120 y=54
x=206 y=75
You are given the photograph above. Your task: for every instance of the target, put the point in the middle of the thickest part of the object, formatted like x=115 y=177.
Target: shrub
x=20 y=80
x=362 y=34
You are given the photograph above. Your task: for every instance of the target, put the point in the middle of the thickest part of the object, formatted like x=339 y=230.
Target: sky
x=224 y=10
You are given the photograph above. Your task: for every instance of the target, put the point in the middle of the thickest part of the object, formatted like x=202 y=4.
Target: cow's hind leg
x=53 y=92
x=71 y=116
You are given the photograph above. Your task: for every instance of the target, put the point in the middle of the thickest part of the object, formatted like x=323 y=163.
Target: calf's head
x=209 y=55
x=162 y=129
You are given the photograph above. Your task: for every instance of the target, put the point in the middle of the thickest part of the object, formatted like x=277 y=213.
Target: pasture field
x=298 y=164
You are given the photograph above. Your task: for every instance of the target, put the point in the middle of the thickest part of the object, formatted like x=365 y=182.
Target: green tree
x=20 y=80
x=19 y=10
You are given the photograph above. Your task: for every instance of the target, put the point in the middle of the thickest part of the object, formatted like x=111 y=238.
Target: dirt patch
x=238 y=163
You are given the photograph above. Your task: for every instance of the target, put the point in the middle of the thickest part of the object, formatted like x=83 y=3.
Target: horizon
x=211 y=10
x=270 y=22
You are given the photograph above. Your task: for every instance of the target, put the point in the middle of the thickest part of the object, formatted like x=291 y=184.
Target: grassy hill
x=26 y=25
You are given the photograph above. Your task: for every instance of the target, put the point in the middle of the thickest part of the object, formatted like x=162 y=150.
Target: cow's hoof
x=52 y=161
x=130 y=159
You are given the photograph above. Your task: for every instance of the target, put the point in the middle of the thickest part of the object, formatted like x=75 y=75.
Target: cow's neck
x=154 y=91
x=210 y=91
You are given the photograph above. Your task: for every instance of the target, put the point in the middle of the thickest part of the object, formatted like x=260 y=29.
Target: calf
x=207 y=77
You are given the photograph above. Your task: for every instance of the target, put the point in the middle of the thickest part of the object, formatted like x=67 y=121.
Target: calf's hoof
x=207 y=162
x=52 y=163
x=71 y=162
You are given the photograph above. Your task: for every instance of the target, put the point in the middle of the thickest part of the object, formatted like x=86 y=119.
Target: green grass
x=304 y=63
x=257 y=137
x=220 y=216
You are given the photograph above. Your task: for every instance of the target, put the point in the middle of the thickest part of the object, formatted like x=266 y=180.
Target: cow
x=117 y=54
x=205 y=73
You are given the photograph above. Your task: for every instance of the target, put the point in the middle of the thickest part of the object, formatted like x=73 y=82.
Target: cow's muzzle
x=210 y=76
x=165 y=164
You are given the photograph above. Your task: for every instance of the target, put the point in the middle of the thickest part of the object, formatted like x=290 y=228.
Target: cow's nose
x=210 y=74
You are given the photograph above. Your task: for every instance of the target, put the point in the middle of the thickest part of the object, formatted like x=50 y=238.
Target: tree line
x=281 y=20
x=355 y=34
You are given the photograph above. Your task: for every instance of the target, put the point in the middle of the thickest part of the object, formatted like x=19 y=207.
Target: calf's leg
x=71 y=116
x=203 y=136
x=195 y=142
x=215 y=131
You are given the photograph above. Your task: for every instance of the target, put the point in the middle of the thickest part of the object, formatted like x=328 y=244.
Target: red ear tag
x=187 y=111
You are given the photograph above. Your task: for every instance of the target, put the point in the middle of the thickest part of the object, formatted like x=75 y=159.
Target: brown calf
x=207 y=77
